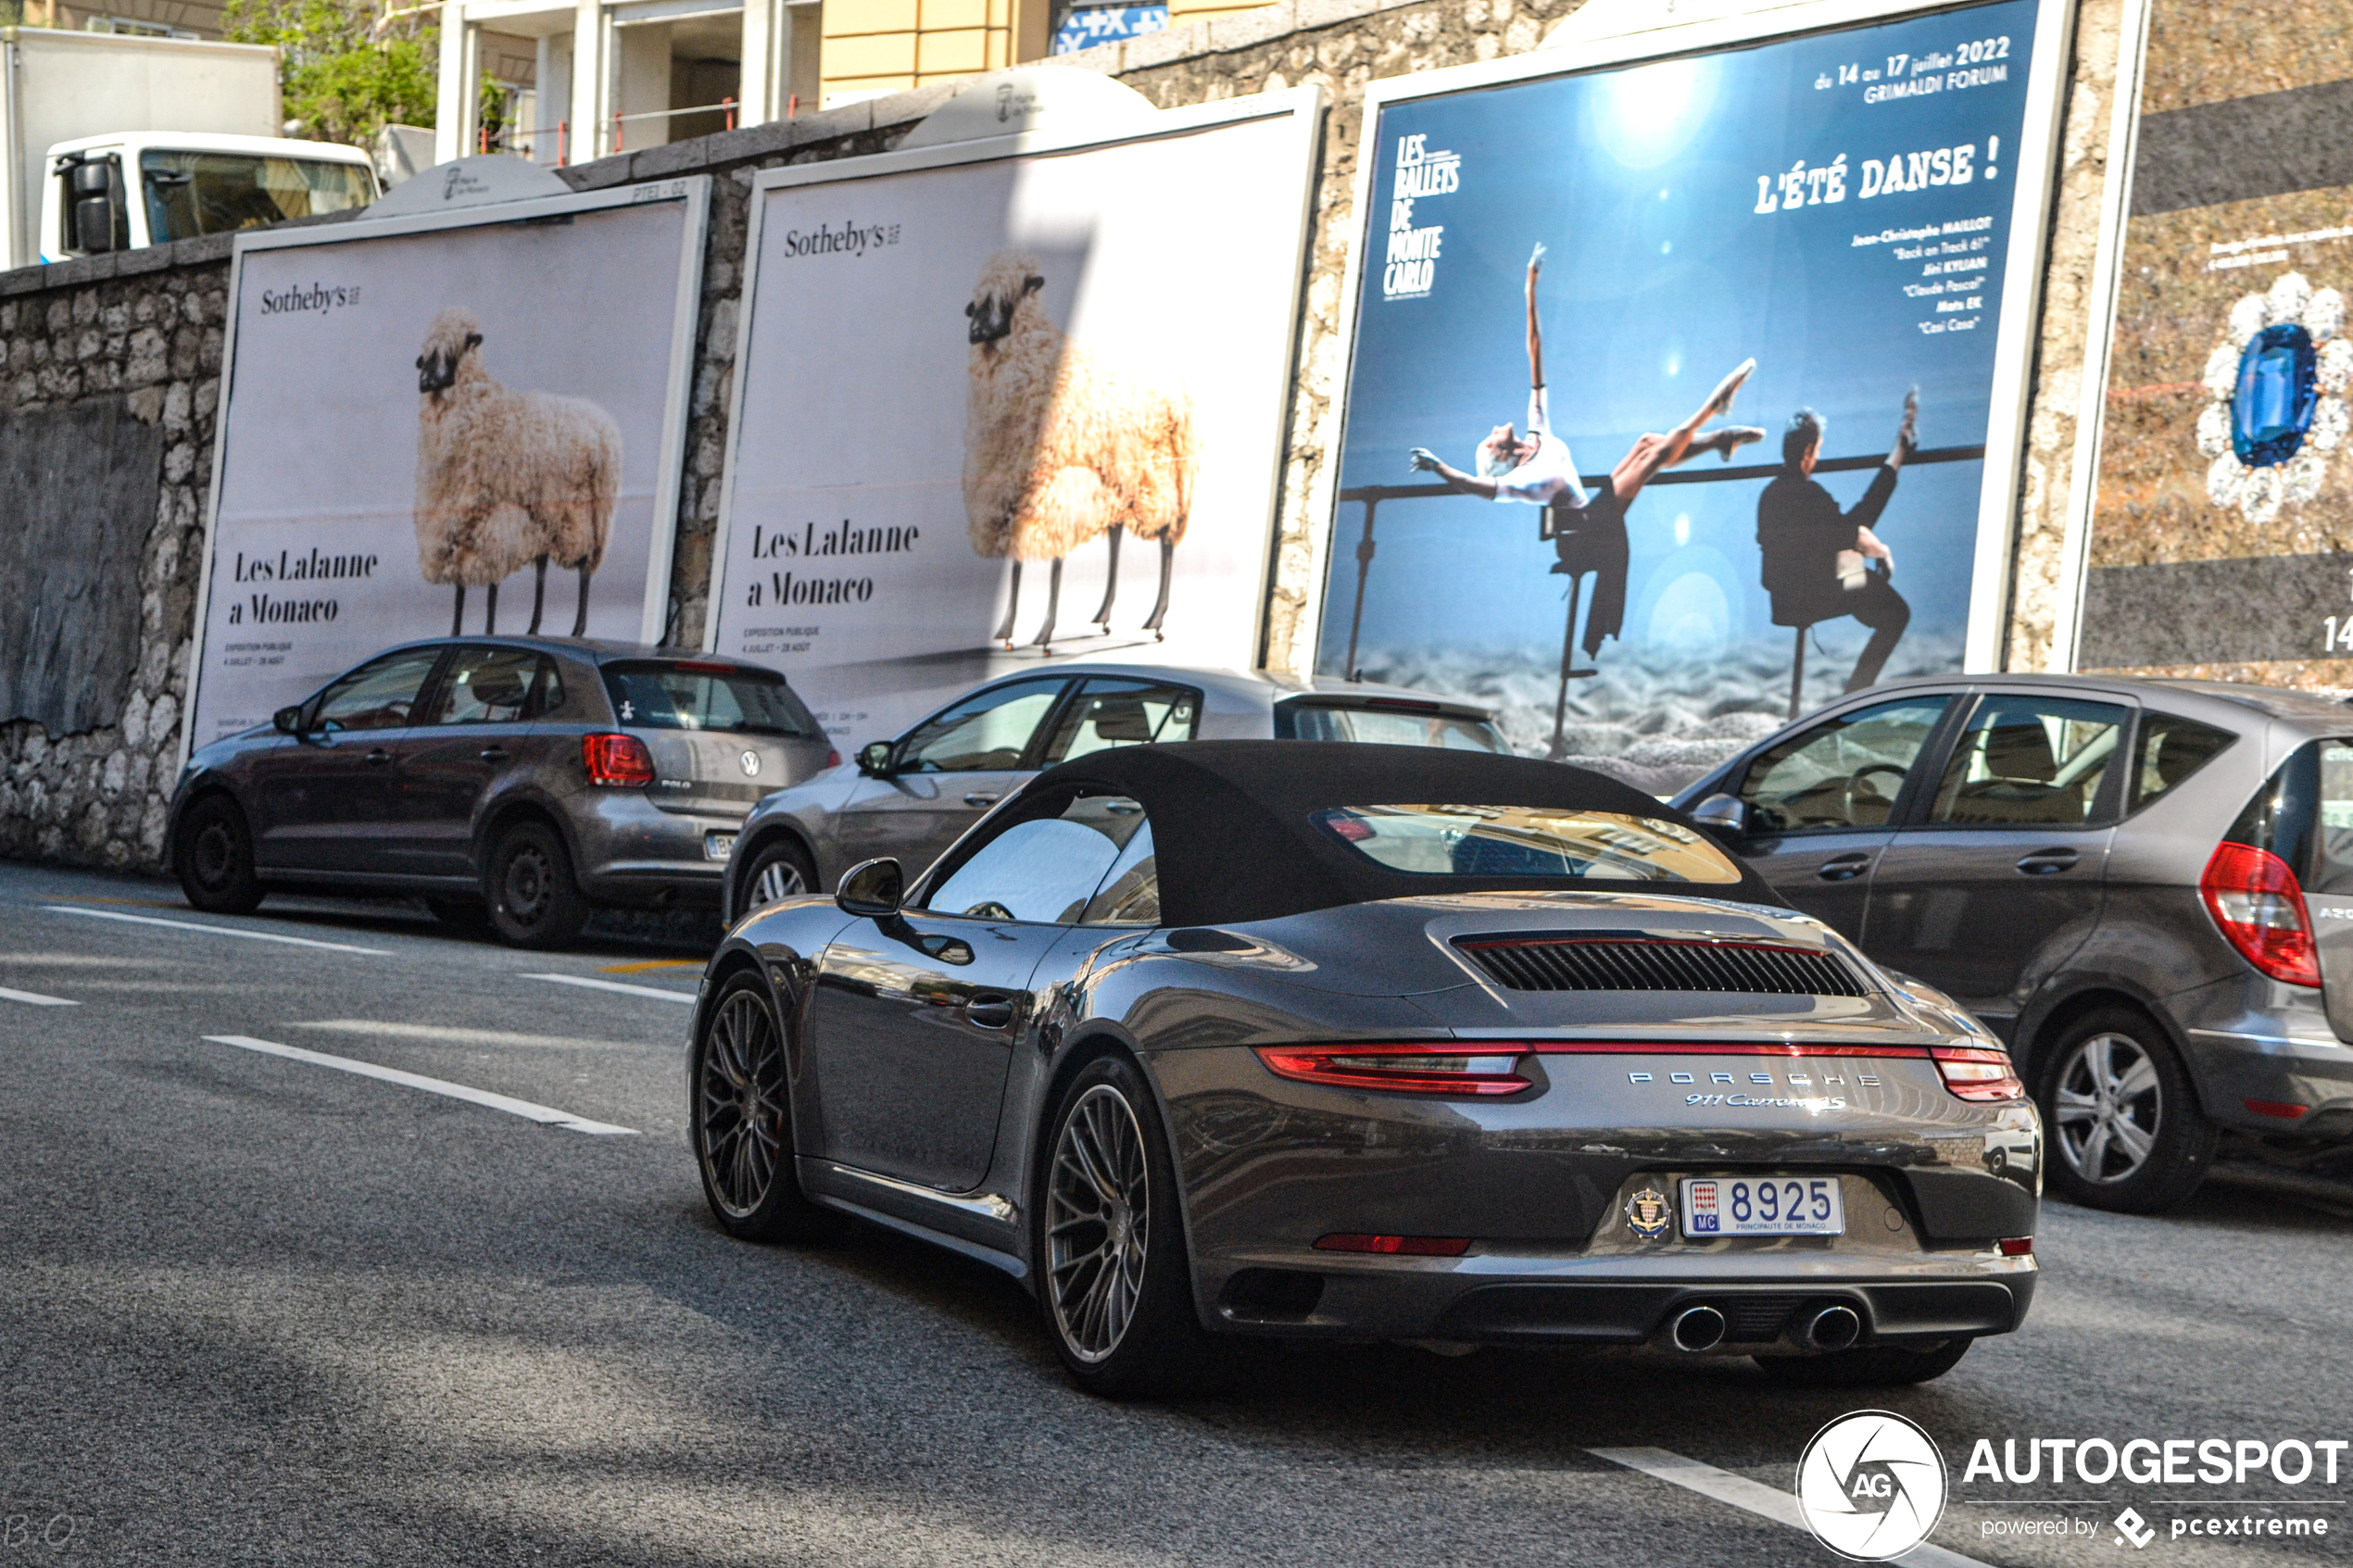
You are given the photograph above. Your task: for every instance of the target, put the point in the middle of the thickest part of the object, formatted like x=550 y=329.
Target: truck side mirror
x=99 y=222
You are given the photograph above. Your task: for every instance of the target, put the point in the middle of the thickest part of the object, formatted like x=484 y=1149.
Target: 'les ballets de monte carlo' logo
x=1422 y=172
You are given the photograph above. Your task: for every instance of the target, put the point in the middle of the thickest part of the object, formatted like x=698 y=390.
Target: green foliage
x=342 y=81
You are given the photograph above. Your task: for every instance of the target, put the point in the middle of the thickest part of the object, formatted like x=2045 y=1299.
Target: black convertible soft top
x=1232 y=821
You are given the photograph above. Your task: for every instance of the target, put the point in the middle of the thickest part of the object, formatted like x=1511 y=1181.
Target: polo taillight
x=2260 y=907
x=1973 y=1072
x=1428 y=1068
x=617 y=761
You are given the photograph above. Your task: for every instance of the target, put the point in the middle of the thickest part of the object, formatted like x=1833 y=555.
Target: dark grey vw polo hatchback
x=514 y=781
x=2145 y=886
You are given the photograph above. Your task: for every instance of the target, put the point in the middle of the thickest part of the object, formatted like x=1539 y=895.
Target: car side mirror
x=1725 y=815
x=874 y=760
x=288 y=720
x=872 y=889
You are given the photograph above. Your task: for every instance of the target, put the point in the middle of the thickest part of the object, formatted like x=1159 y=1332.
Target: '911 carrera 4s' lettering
x=1752 y=1102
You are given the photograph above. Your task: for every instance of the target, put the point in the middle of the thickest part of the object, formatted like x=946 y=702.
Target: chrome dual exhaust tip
x=1696 y=1328
x=1833 y=1329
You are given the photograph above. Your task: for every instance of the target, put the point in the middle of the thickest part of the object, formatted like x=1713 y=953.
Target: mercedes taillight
x=2255 y=902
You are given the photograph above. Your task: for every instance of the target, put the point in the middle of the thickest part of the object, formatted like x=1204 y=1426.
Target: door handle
x=493 y=754
x=978 y=799
x=989 y=1009
x=2044 y=862
x=378 y=758
x=1843 y=868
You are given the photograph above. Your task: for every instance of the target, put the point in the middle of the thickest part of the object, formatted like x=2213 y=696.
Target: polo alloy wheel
x=1098 y=1223
x=214 y=859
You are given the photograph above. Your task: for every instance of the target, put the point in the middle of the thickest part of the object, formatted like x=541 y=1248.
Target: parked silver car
x=2145 y=886
x=516 y=781
x=911 y=797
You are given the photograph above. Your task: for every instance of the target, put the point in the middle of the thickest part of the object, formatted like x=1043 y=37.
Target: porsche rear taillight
x=1975 y=1074
x=1395 y=1246
x=617 y=761
x=1428 y=1068
x=2260 y=907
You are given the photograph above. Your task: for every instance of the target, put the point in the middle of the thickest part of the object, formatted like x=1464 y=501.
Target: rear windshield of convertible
x=1460 y=840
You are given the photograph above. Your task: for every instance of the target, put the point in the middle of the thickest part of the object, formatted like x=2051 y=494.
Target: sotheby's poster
x=421 y=439
x=2224 y=506
x=1004 y=402
x=1669 y=375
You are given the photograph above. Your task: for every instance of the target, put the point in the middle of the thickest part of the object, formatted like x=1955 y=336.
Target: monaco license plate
x=718 y=846
x=1717 y=1205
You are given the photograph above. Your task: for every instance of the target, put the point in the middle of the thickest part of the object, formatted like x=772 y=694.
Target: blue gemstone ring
x=2278 y=390
x=2275 y=406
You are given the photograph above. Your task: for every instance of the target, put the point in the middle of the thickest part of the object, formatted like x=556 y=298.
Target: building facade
x=579 y=79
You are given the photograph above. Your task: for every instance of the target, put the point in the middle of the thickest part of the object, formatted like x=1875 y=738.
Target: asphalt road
x=254 y=1309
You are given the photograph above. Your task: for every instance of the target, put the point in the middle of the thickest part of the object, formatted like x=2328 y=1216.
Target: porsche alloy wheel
x=740 y=1104
x=1098 y=1223
x=2123 y=1116
x=1116 y=1286
x=743 y=1121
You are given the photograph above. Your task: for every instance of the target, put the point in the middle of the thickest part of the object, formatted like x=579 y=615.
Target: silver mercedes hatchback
x=2143 y=887
x=912 y=796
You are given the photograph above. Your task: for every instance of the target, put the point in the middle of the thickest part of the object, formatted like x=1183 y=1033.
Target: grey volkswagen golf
x=910 y=797
x=515 y=781
x=2143 y=887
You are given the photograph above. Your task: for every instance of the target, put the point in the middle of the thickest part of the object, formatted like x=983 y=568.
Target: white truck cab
x=134 y=189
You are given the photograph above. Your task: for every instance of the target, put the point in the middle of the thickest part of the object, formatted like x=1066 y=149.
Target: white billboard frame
x=1305 y=105
x=2016 y=334
x=694 y=190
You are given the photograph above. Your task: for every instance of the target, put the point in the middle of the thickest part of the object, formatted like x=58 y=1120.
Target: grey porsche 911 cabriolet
x=1371 y=1042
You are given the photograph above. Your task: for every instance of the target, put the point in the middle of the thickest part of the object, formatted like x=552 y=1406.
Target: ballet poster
x=1683 y=392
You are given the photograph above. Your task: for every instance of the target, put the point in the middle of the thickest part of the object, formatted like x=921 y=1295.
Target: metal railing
x=727 y=106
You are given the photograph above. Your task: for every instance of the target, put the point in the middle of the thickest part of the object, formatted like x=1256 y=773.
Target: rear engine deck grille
x=1584 y=963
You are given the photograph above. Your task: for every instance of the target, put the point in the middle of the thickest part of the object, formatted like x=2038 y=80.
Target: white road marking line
x=522 y=1108
x=449 y=1035
x=215 y=930
x=1755 y=1496
x=655 y=991
x=34 y=999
